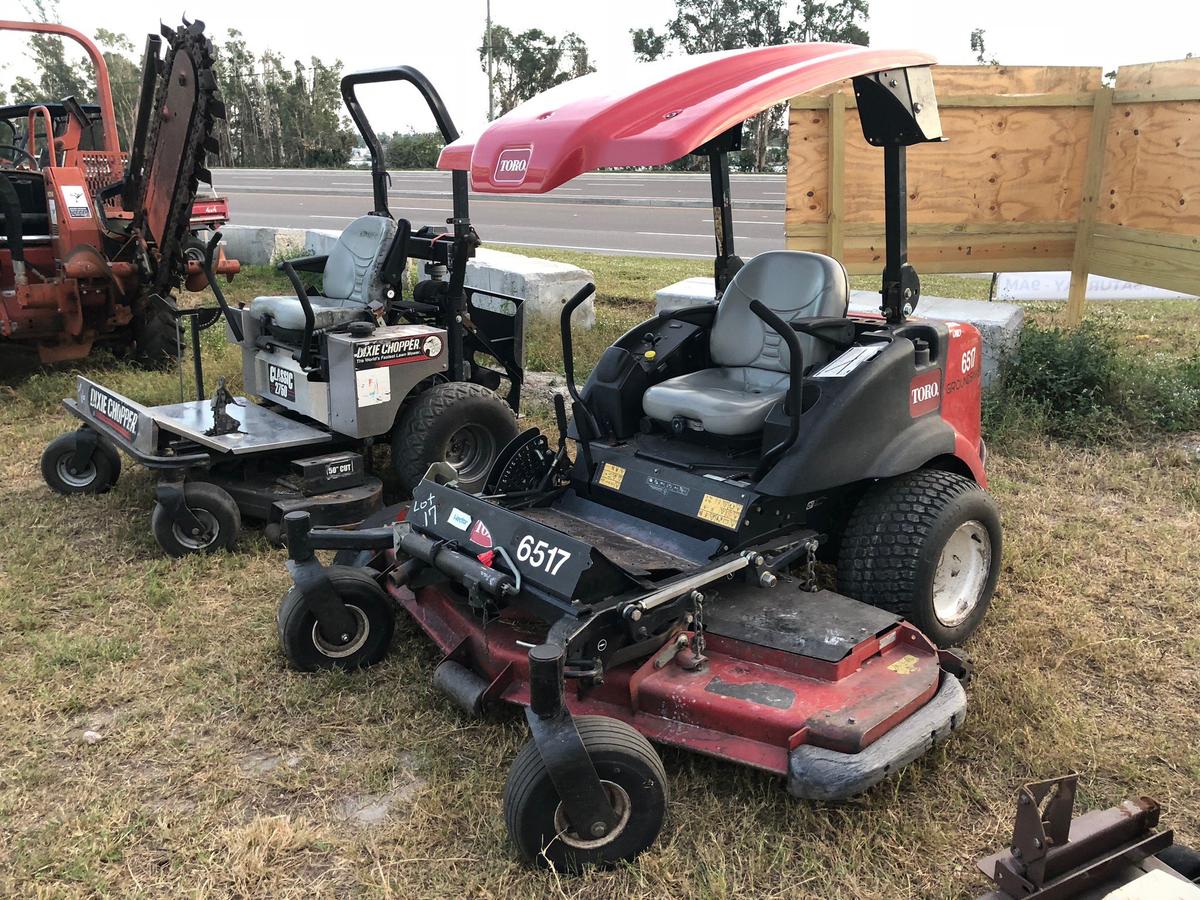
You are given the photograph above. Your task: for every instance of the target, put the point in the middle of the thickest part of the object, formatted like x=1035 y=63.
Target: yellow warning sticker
x=905 y=665
x=723 y=512
x=611 y=476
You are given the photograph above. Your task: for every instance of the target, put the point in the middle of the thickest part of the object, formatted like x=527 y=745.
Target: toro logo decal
x=512 y=166
x=112 y=412
x=925 y=393
x=480 y=535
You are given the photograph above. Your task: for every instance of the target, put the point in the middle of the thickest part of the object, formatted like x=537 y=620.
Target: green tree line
x=279 y=113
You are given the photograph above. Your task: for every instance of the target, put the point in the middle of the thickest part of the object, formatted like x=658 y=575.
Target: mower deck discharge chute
x=662 y=583
x=329 y=373
x=87 y=255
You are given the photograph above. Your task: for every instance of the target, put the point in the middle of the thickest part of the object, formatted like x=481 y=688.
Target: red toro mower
x=661 y=584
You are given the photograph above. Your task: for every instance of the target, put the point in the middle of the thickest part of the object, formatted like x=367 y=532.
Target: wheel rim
x=77 y=478
x=349 y=647
x=470 y=450
x=619 y=799
x=962 y=573
x=209 y=529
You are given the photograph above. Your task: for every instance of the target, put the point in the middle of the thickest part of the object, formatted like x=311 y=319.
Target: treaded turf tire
x=895 y=541
x=99 y=476
x=372 y=607
x=442 y=414
x=622 y=757
x=215 y=509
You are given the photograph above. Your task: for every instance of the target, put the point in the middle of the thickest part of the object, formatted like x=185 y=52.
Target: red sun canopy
x=649 y=114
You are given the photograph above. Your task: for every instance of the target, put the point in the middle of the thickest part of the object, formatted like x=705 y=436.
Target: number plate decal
x=611 y=477
x=541 y=555
x=282 y=382
x=720 y=511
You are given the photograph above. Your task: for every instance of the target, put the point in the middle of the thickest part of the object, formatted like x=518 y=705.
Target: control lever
x=210 y=250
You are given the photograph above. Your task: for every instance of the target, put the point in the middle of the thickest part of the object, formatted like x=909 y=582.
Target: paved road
x=610 y=213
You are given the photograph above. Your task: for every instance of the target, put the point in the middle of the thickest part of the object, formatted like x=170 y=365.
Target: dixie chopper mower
x=330 y=373
x=661 y=584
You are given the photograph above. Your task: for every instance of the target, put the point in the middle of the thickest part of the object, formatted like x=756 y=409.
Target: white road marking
x=605 y=249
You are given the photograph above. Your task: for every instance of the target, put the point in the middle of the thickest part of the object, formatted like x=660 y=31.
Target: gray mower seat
x=350 y=284
x=751 y=371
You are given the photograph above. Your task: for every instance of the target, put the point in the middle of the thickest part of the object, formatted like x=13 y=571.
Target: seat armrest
x=835 y=330
x=307 y=263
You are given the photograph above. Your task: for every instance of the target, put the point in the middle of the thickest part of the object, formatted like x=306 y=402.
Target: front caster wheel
x=217 y=516
x=308 y=650
x=631 y=773
x=65 y=475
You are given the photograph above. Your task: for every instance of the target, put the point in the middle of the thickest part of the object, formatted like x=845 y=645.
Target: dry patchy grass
x=217 y=772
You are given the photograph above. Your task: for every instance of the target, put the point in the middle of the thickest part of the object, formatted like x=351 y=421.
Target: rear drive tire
x=155 y=336
x=97 y=477
x=631 y=772
x=217 y=513
x=458 y=422
x=925 y=546
x=301 y=641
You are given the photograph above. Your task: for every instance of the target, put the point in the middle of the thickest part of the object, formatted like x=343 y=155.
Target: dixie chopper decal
x=394 y=351
x=110 y=411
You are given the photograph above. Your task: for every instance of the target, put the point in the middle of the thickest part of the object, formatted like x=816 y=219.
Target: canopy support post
x=727 y=262
x=901 y=287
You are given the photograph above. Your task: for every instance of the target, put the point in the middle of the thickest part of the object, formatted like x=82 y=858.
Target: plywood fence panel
x=997 y=165
x=1006 y=192
x=1152 y=166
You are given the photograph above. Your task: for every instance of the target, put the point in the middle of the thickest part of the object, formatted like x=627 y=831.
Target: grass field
x=155 y=745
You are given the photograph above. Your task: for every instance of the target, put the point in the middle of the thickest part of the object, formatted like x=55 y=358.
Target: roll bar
x=379 y=174
x=103 y=87
x=460 y=220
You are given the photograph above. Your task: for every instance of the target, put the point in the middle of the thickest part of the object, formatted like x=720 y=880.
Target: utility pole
x=491 y=98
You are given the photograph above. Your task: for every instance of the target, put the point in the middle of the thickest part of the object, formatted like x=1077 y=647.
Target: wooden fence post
x=1089 y=202
x=837 y=174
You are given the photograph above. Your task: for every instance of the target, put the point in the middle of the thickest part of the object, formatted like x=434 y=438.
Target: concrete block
x=544 y=285
x=689 y=292
x=999 y=323
x=320 y=241
x=260 y=246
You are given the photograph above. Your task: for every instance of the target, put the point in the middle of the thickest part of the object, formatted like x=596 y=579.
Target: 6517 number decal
x=541 y=555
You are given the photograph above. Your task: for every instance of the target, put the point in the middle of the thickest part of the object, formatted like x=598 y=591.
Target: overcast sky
x=441 y=37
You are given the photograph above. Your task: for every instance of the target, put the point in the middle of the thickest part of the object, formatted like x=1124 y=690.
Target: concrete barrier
x=543 y=284
x=999 y=323
x=252 y=245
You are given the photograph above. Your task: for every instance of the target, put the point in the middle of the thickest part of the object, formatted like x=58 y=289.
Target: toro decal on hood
x=925 y=393
x=512 y=166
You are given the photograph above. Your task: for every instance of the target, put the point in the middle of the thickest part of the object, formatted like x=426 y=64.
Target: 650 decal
x=541 y=555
